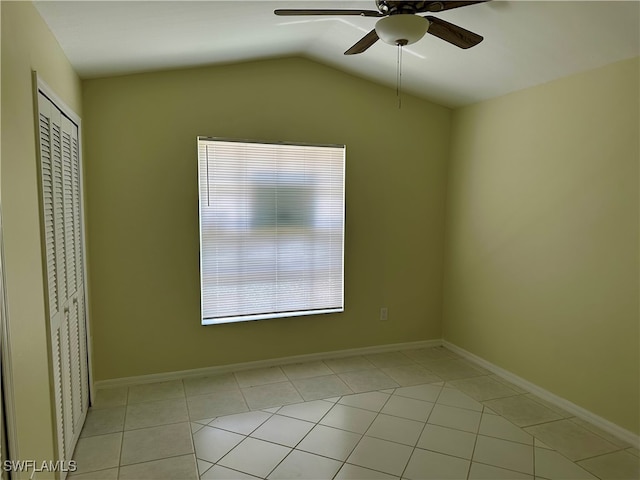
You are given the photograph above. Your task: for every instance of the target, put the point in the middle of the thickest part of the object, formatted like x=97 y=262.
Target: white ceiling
x=526 y=42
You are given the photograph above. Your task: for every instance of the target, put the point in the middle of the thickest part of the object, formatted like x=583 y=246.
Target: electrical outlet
x=384 y=314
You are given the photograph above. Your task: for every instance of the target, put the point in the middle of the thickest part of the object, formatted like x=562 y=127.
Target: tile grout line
x=300 y=441
x=533 y=446
x=124 y=422
x=395 y=416
x=231 y=450
x=300 y=393
x=343 y=462
x=378 y=413
x=271 y=415
x=475 y=442
x=507 y=469
x=244 y=398
x=327 y=426
x=426 y=422
x=152 y=460
x=193 y=445
x=599 y=455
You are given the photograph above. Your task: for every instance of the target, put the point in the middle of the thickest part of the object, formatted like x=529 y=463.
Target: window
x=271 y=229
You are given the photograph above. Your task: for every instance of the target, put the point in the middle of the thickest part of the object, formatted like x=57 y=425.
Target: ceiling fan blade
x=441 y=6
x=361 y=13
x=453 y=34
x=364 y=43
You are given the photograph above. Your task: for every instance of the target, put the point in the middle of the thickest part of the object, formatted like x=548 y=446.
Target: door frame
x=9 y=434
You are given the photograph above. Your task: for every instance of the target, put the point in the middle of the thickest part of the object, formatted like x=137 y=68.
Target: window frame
x=205 y=321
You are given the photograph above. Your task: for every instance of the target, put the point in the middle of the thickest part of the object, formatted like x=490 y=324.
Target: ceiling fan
x=401 y=25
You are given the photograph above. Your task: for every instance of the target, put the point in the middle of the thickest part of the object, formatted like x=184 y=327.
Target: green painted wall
x=541 y=273
x=141 y=193
x=27 y=44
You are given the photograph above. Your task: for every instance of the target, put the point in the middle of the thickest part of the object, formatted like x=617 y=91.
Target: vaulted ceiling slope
x=525 y=43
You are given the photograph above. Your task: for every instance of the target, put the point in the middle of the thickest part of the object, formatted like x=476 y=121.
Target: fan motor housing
x=390 y=7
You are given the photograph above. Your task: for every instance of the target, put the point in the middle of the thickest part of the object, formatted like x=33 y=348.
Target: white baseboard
x=235 y=367
x=602 y=423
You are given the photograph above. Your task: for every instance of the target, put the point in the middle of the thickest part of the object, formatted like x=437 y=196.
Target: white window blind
x=271 y=230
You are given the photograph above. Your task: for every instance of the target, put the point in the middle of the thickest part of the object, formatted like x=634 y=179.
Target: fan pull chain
x=399 y=76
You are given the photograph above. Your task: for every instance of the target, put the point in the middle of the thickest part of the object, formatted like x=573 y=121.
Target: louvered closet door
x=61 y=203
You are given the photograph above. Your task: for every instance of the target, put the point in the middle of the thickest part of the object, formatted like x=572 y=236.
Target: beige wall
x=27 y=45
x=541 y=273
x=141 y=192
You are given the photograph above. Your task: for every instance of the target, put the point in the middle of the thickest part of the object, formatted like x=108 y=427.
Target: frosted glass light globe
x=401 y=29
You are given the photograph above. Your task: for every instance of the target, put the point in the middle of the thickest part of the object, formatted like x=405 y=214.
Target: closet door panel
x=58 y=204
x=67 y=381
x=68 y=204
x=62 y=224
x=71 y=218
x=83 y=396
x=44 y=109
x=56 y=353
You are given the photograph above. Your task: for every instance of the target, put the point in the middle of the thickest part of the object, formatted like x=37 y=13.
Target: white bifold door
x=65 y=276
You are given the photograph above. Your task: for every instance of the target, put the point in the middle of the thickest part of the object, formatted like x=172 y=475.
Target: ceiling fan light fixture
x=402 y=29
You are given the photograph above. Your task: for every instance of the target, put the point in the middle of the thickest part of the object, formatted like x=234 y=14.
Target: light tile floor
x=414 y=414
